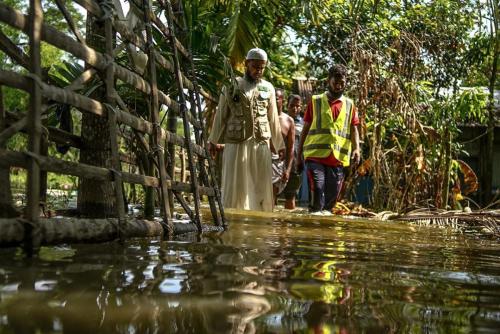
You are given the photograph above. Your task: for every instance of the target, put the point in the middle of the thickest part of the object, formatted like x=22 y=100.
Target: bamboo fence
x=30 y=230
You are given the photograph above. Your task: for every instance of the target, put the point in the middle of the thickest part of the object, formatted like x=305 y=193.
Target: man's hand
x=300 y=163
x=285 y=176
x=356 y=156
x=214 y=148
x=281 y=153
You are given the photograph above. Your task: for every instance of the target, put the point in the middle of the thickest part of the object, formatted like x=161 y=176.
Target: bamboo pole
x=60 y=95
x=69 y=20
x=216 y=199
x=85 y=77
x=155 y=119
x=13 y=51
x=6 y=209
x=104 y=62
x=12 y=130
x=44 y=151
x=62 y=137
x=196 y=105
x=172 y=128
x=166 y=32
x=90 y=6
x=58 y=39
x=183 y=165
x=138 y=41
x=55 y=231
x=113 y=133
x=87 y=104
x=185 y=121
x=56 y=135
x=54 y=165
x=31 y=228
x=128 y=159
x=197 y=112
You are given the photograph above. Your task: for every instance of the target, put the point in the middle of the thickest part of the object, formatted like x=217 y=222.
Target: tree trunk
x=6 y=209
x=96 y=198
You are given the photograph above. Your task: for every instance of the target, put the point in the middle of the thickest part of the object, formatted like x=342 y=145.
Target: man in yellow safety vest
x=329 y=140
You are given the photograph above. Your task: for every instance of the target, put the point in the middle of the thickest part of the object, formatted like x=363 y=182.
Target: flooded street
x=261 y=276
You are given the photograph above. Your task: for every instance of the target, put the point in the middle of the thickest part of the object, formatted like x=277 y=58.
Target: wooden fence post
x=155 y=119
x=100 y=55
x=6 y=209
x=113 y=126
x=34 y=128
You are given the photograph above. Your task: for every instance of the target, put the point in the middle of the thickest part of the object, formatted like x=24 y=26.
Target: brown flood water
x=261 y=276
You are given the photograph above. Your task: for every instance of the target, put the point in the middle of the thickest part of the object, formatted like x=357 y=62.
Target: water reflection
x=260 y=277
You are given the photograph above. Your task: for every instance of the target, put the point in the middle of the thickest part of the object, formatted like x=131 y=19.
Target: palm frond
x=242 y=33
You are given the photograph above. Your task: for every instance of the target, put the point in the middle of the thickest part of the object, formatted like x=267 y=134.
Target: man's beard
x=249 y=78
x=335 y=95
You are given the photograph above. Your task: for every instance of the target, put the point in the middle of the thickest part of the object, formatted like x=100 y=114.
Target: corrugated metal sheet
x=305 y=87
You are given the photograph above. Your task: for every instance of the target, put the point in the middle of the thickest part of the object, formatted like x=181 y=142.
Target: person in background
x=329 y=140
x=246 y=121
x=294 y=181
x=282 y=165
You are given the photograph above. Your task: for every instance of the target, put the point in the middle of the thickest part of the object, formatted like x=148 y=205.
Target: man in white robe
x=246 y=121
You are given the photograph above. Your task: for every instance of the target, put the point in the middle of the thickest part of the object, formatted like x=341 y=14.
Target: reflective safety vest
x=326 y=135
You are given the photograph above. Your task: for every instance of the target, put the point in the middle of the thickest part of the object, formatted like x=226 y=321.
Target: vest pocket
x=236 y=109
x=263 y=131
x=235 y=130
x=262 y=104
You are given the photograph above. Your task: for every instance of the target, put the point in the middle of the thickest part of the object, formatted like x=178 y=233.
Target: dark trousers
x=325 y=183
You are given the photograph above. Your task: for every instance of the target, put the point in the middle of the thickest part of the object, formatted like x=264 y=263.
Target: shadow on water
x=261 y=276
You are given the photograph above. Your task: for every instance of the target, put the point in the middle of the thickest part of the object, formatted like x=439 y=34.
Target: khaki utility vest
x=327 y=136
x=248 y=115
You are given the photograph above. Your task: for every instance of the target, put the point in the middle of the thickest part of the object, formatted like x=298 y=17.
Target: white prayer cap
x=257 y=54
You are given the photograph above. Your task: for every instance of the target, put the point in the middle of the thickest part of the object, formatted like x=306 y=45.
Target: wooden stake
x=184 y=112
x=113 y=132
x=155 y=119
x=35 y=129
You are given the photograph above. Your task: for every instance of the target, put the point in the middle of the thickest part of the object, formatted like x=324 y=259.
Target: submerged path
x=263 y=275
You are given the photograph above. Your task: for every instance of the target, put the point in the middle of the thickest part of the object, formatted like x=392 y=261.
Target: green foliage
x=231 y=28
x=471 y=107
x=401 y=56
x=15 y=100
